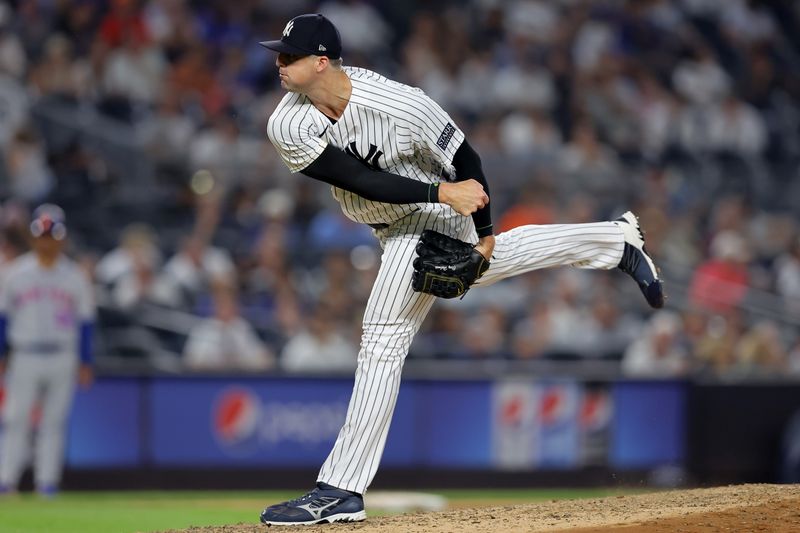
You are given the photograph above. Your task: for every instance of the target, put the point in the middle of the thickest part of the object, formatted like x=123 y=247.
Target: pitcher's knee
x=382 y=354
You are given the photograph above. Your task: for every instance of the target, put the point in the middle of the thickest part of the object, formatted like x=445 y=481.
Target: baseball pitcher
x=395 y=160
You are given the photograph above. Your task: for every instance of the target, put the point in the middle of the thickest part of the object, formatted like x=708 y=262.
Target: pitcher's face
x=296 y=72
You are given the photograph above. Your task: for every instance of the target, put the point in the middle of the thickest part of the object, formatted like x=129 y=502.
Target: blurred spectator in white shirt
x=535 y=20
x=168 y=132
x=136 y=241
x=170 y=22
x=658 y=352
x=14 y=106
x=593 y=40
x=31 y=178
x=58 y=72
x=321 y=346
x=13 y=59
x=664 y=14
x=656 y=113
x=694 y=128
x=419 y=49
x=231 y=157
x=226 y=341
x=523 y=87
x=193 y=270
x=701 y=79
x=747 y=21
x=588 y=163
x=475 y=79
x=738 y=127
x=137 y=286
x=529 y=133
x=568 y=313
x=135 y=71
x=361 y=26
x=128 y=272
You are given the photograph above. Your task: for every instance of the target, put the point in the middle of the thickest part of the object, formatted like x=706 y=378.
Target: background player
x=46 y=316
x=399 y=163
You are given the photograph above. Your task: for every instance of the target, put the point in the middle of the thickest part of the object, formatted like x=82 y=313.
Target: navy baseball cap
x=49 y=219
x=308 y=35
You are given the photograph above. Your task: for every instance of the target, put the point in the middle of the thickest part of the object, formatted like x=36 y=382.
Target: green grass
x=91 y=512
x=122 y=512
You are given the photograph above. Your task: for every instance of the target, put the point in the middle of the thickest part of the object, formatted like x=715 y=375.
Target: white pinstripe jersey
x=387 y=125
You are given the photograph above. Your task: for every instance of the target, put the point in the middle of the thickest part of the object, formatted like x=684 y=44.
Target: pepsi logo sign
x=235 y=415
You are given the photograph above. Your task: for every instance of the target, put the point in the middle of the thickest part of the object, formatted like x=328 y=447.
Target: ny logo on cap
x=288 y=29
x=322 y=48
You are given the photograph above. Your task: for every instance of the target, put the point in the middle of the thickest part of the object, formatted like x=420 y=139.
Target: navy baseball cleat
x=637 y=263
x=324 y=504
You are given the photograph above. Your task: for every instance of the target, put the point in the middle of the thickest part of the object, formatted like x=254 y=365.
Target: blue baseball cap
x=308 y=35
x=49 y=219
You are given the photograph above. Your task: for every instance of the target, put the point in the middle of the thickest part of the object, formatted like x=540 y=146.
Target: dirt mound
x=772 y=508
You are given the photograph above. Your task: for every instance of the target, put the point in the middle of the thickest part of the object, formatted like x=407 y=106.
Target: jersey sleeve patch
x=447 y=134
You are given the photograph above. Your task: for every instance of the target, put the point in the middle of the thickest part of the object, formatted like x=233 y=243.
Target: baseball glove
x=446 y=267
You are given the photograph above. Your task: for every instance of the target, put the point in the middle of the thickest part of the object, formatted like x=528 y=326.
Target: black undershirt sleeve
x=336 y=168
x=467 y=163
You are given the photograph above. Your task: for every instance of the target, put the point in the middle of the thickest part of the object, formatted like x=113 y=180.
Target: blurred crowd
x=145 y=120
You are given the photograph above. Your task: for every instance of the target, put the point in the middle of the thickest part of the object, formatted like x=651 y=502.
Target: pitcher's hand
x=465 y=197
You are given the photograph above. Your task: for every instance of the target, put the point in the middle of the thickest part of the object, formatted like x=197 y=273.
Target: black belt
x=384 y=226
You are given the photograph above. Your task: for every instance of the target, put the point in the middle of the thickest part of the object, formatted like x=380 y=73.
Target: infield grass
x=123 y=512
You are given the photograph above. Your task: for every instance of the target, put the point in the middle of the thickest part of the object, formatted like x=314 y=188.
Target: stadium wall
x=168 y=432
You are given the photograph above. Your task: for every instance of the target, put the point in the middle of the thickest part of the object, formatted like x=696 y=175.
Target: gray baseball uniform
x=45 y=310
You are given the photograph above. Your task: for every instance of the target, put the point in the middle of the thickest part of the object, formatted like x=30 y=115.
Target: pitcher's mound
x=751 y=508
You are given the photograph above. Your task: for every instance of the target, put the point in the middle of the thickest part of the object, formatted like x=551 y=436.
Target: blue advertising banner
x=405 y=438
x=649 y=424
x=217 y=422
x=278 y=422
x=105 y=428
x=453 y=420
x=295 y=422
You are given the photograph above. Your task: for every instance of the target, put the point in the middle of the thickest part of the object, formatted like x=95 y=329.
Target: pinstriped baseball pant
x=395 y=312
